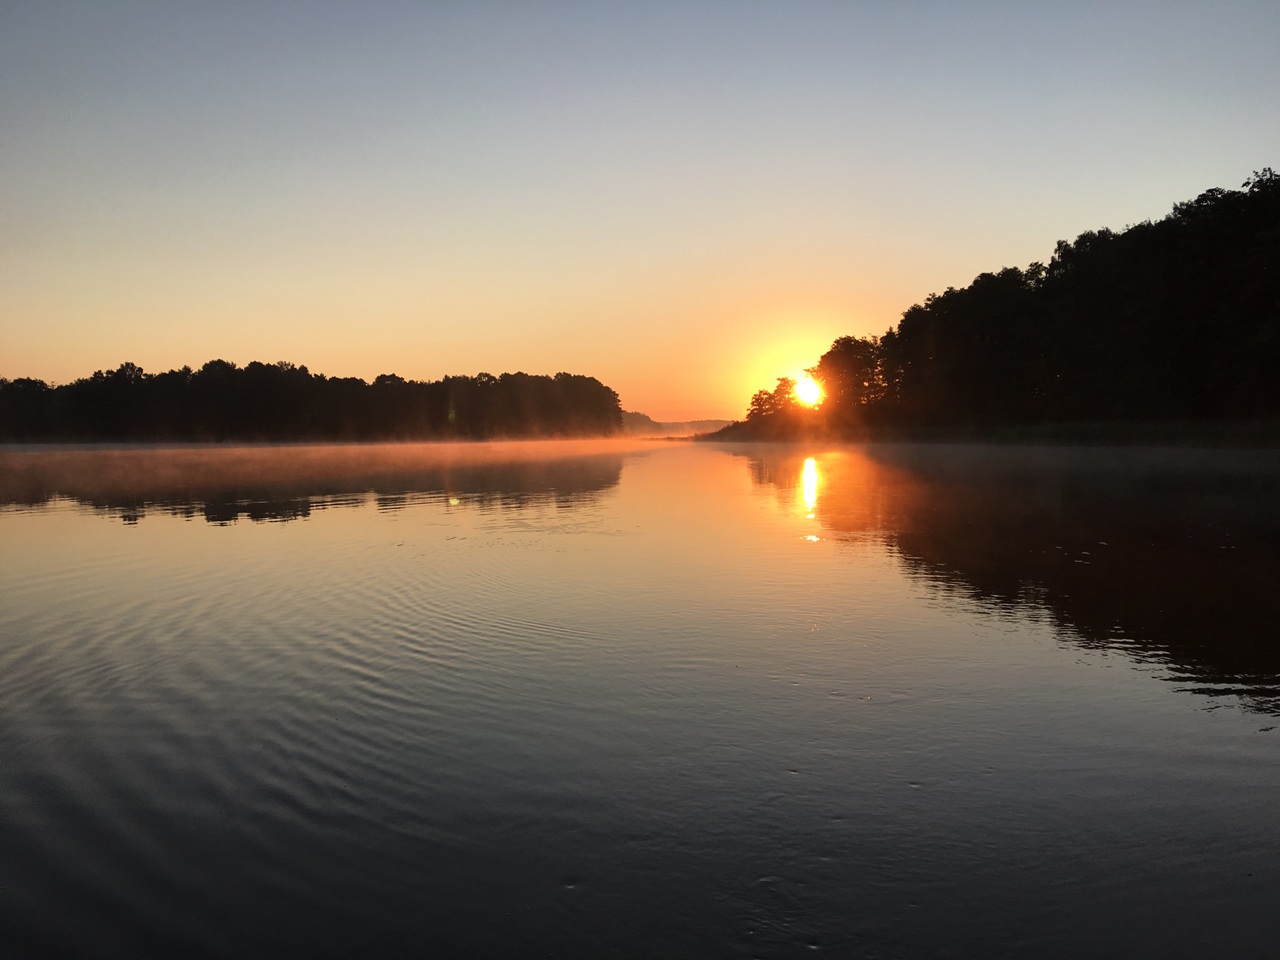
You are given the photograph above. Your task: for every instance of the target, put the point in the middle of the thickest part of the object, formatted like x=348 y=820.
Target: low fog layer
x=137 y=476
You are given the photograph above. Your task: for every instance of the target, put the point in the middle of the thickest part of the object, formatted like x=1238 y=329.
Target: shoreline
x=1231 y=434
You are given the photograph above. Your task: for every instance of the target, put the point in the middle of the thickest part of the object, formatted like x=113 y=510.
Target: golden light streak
x=809 y=485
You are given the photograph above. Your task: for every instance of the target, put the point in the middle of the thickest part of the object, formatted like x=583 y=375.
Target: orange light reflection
x=809 y=486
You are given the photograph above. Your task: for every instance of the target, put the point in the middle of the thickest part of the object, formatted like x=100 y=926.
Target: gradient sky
x=683 y=199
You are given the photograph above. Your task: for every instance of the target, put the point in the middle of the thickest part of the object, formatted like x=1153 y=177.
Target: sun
x=808 y=391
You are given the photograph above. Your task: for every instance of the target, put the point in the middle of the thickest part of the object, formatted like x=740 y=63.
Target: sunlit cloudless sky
x=685 y=200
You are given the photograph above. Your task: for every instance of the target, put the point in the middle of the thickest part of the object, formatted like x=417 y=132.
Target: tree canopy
x=1173 y=320
x=282 y=401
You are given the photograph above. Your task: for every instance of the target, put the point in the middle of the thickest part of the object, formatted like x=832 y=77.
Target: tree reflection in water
x=281 y=483
x=1167 y=555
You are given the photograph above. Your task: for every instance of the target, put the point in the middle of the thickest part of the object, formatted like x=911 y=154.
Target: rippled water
x=580 y=701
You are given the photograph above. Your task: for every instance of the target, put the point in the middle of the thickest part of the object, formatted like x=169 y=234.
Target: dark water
x=680 y=701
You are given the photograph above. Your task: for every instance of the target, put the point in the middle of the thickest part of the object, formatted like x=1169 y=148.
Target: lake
x=639 y=700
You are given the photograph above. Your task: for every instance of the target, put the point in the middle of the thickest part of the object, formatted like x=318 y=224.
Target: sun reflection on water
x=809 y=486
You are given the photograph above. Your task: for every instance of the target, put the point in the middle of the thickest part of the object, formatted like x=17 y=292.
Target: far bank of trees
x=281 y=401
x=1173 y=320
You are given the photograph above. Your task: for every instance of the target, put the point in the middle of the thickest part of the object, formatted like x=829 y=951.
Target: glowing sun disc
x=808 y=391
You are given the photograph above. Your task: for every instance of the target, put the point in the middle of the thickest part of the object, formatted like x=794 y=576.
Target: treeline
x=1173 y=320
x=642 y=425
x=281 y=401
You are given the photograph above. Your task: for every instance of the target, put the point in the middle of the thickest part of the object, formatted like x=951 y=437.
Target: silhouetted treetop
x=1177 y=319
x=282 y=401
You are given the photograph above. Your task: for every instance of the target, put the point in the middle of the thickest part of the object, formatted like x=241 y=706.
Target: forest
x=281 y=401
x=1173 y=320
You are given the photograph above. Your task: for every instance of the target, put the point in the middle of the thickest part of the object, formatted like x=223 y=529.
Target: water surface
x=650 y=700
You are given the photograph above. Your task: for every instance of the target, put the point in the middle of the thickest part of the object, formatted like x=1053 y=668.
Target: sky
x=685 y=199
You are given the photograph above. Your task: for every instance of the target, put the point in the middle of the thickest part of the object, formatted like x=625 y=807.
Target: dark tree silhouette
x=850 y=372
x=282 y=401
x=781 y=400
x=1175 y=320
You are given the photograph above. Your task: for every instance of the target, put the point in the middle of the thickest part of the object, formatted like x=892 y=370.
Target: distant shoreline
x=1231 y=434
x=1261 y=434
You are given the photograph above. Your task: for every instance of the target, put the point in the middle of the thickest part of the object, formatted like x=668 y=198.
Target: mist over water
x=279 y=482
x=652 y=699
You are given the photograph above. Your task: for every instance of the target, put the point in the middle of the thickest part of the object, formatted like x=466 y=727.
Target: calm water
x=681 y=701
